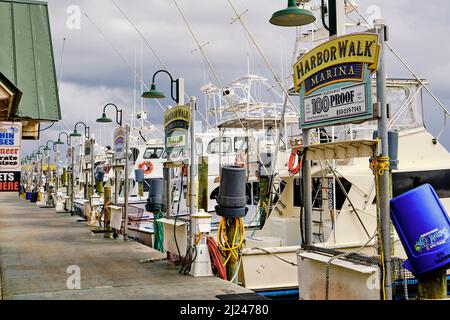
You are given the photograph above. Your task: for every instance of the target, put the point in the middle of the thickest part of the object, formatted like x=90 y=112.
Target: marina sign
x=334 y=81
x=176 y=125
x=10 y=146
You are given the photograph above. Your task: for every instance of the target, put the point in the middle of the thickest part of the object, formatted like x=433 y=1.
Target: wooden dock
x=43 y=254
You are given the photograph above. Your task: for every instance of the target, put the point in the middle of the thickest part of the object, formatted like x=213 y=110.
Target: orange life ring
x=296 y=169
x=146 y=166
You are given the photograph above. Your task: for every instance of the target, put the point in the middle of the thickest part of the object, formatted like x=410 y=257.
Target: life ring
x=146 y=166
x=294 y=155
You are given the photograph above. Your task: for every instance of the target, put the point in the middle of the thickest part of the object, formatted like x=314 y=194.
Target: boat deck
x=38 y=245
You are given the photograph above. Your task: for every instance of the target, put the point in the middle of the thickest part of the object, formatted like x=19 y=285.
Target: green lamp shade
x=75 y=134
x=59 y=142
x=104 y=119
x=153 y=94
x=292 y=16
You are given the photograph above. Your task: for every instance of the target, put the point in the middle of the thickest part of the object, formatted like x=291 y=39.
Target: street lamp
x=154 y=94
x=292 y=16
x=75 y=133
x=105 y=119
x=59 y=142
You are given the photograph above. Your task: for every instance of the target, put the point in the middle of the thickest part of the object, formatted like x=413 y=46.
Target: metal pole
x=168 y=177
x=126 y=181
x=56 y=169
x=384 y=179
x=307 y=192
x=47 y=180
x=116 y=181
x=72 y=182
x=192 y=171
x=92 y=168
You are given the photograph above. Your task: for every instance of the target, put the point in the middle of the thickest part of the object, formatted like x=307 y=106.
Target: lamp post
x=48 y=174
x=75 y=133
x=179 y=89
x=179 y=99
x=60 y=142
x=105 y=119
x=293 y=16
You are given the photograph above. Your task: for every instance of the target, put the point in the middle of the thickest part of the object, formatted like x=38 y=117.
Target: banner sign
x=87 y=151
x=334 y=81
x=10 y=146
x=69 y=154
x=119 y=143
x=176 y=126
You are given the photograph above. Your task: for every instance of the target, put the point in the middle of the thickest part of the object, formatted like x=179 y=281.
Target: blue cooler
x=423 y=226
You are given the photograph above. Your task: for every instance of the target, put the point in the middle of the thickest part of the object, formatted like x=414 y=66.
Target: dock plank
x=38 y=245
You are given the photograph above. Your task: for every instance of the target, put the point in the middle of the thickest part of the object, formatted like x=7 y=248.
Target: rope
x=216 y=259
x=230 y=249
x=276 y=256
x=158 y=232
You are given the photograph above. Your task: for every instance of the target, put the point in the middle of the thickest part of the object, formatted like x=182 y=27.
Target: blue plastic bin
x=423 y=226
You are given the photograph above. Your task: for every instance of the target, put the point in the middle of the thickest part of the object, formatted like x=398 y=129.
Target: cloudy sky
x=100 y=48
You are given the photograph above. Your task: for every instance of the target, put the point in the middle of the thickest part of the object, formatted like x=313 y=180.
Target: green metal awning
x=26 y=58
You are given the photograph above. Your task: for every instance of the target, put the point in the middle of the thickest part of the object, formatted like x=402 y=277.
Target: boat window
x=199 y=146
x=340 y=195
x=405 y=181
x=153 y=153
x=240 y=143
x=214 y=146
x=134 y=154
x=298 y=199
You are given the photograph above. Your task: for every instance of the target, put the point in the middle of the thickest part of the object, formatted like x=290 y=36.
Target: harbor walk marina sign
x=10 y=166
x=176 y=125
x=334 y=81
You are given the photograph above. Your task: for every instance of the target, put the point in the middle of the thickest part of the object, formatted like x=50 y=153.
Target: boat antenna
x=207 y=62
x=414 y=74
x=121 y=56
x=260 y=51
x=162 y=64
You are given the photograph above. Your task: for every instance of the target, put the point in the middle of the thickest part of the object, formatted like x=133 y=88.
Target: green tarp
x=26 y=58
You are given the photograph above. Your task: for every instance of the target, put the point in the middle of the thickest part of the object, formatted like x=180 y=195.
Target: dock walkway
x=41 y=252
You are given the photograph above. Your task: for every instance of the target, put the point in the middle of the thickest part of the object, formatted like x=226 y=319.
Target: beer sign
x=10 y=147
x=334 y=81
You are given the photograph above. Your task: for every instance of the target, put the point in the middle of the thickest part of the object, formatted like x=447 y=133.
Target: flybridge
x=354 y=48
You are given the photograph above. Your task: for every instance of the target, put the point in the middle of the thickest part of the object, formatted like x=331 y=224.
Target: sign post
x=10 y=166
x=334 y=81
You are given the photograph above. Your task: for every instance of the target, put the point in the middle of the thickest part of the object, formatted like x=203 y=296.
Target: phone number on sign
x=349 y=110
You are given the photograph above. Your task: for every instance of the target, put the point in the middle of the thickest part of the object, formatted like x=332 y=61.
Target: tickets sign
x=334 y=81
x=10 y=146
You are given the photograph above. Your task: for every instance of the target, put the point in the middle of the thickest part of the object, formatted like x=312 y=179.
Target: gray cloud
x=95 y=74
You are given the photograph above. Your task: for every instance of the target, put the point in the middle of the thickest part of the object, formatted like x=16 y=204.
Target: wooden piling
x=203 y=183
x=106 y=209
x=433 y=285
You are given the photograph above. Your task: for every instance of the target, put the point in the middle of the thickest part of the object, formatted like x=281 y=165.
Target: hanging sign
x=334 y=81
x=87 y=150
x=69 y=154
x=176 y=125
x=10 y=166
x=119 y=143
